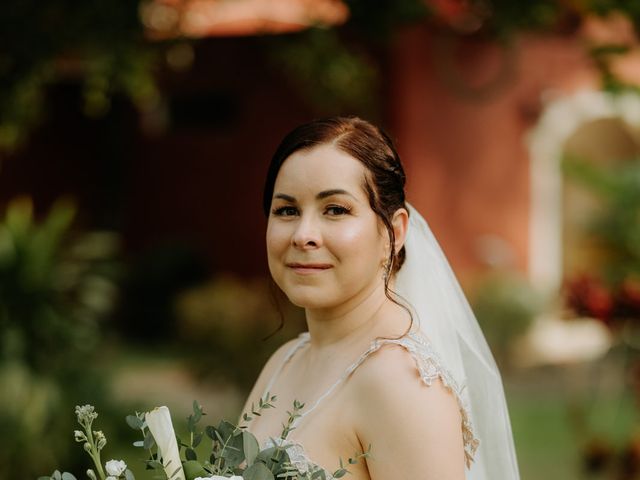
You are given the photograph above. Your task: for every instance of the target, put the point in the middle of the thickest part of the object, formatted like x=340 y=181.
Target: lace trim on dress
x=430 y=369
x=297 y=456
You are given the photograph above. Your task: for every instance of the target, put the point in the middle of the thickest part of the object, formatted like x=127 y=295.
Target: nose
x=307 y=234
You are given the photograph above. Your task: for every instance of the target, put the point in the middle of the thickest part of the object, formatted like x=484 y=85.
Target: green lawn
x=550 y=431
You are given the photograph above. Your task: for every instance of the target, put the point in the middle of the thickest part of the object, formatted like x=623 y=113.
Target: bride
x=393 y=357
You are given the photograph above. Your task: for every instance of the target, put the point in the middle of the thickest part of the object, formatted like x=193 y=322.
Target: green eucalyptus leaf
x=319 y=475
x=134 y=422
x=190 y=454
x=233 y=452
x=197 y=411
x=149 y=441
x=266 y=454
x=211 y=432
x=197 y=438
x=68 y=476
x=226 y=429
x=274 y=457
x=250 y=447
x=257 y=471
x=191 y=424
x=128 y=475
x=154 y=465
x=193 y=469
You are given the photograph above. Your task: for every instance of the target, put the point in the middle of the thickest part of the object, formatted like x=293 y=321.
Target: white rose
x=160 y=426
x=115 y=468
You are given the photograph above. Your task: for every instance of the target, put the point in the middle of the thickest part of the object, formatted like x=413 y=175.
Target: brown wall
x=466 y=157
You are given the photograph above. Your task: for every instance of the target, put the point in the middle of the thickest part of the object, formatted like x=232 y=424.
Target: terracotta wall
x=466 y=156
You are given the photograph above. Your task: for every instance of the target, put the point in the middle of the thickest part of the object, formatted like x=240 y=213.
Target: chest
x=324 y=427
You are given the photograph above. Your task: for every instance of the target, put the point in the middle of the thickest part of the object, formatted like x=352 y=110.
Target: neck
x=366 y=316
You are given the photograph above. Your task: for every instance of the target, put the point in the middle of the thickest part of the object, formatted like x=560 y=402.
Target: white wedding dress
x=428 y=366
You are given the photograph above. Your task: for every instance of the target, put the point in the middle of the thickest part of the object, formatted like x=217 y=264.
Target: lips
x=309 y=268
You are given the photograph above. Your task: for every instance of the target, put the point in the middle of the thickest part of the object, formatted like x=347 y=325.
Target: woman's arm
x=414 y=430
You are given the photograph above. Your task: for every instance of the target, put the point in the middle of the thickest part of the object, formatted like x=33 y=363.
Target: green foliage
x=56 y=475
x=617 y=227
x=505 y=305
x=233 y=449
x=379 y=23
x=630 y=9
x=55 y=288
x=100 y=43
x=331 y=74
x=507 y=17
x=258 y=471
x=293 y=415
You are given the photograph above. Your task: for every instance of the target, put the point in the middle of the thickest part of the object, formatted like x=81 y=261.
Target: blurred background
x=134 y=140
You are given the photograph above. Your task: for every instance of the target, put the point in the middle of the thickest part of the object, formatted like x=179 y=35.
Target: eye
x=285 y=211
x=337 y=210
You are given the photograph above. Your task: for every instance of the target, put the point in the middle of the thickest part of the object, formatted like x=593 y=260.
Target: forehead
x=320 y=168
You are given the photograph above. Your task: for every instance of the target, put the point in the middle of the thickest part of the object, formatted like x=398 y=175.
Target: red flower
x=589 y=296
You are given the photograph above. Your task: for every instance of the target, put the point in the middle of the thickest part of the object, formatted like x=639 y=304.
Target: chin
x=310 y=298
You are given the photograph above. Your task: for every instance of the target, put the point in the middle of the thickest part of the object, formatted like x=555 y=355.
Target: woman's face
x=325 y=245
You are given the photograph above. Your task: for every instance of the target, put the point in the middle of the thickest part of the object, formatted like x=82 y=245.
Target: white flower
x=86 y=414
x=160 y=426
x=115 y=468
x=100 y=439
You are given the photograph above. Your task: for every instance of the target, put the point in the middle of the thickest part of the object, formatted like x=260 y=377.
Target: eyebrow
x=320 y=196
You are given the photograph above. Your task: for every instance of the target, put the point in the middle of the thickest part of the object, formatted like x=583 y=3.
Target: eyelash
x=342 y=210
x=280 y=211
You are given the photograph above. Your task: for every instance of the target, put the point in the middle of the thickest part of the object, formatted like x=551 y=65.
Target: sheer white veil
x=442 y=315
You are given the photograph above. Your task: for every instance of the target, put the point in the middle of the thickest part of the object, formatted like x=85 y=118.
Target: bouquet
x=235 y=452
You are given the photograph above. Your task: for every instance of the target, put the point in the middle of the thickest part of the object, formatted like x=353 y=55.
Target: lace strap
x=303 y=338
x=430 y=369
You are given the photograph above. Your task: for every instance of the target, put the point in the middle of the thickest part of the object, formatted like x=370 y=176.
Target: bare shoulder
x=410 y=425
x=392 y=374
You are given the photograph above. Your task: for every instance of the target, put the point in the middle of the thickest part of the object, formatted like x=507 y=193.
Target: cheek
x=277 y=241
x=358 y=241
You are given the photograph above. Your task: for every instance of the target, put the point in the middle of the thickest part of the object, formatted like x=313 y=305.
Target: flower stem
x=94 y=453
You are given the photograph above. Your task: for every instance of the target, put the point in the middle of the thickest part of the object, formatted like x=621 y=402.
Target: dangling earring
x=386 y=270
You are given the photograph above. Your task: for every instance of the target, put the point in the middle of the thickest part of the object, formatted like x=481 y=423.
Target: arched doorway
x=594 y=126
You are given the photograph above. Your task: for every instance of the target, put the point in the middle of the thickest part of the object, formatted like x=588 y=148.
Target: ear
x=400 y=223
